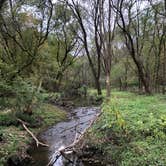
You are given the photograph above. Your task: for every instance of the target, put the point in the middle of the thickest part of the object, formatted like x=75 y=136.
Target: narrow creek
x=61 y=135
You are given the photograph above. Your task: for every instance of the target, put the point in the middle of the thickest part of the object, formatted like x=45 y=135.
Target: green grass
x=15 y=138
x=93 y=92
x=14 y=141
x=50 y=114
x=132 y=130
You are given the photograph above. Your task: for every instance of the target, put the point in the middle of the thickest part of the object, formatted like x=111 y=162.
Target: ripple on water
x=63 y=134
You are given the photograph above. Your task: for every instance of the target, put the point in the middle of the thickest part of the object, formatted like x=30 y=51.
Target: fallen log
x=30 y=133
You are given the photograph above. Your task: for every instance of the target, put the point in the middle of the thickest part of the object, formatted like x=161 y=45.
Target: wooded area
x=53 y=50
x=46 y=44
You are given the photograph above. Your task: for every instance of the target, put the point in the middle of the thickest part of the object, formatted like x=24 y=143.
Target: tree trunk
x=140 y=85
x=130 y=43
x=96 y=73
x=126 y=73
x=28 y=109
x=40 y=84
x=98 y=86
x=120 y=84
x=108 y=84
x=164 y=71
x=145 y=81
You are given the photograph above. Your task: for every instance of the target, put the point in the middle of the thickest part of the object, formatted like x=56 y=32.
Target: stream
x=62 y=135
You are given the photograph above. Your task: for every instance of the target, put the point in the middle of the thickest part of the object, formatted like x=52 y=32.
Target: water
x=62 y=135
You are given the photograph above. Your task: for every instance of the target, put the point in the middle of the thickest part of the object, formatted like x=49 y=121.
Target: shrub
x=18 y=95
x=7 y=119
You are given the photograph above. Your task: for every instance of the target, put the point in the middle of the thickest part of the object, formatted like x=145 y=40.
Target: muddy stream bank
x=62 y=135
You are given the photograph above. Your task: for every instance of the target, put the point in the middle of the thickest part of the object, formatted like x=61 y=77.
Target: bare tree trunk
x=126 y=73
x=98 y=86
x=107 y=29
x=120 y=84
x=108 y=84
x=40 y=84
x=140 y=87
x=75 y=7
x=143 y=75
x=164 y=59
x=164 y=71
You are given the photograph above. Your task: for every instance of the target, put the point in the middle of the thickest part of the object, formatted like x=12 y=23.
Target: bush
x=7 y=119
x=18 y=95
x=10 y=118
x=32 y=120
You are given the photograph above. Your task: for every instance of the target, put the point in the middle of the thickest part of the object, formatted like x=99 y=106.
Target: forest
x=82 y=82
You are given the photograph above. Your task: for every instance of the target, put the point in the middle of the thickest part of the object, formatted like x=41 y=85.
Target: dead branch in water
x=70 y=148
x=32 y=135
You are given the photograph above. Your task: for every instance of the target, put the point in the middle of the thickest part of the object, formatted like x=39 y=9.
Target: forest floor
x=131 y=131
x=14 y=140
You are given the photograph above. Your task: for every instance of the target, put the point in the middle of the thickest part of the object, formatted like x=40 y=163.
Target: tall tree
x=23 y=31
x=80 y=12
x=66 y=39
x=135 y=32
x=107 y=27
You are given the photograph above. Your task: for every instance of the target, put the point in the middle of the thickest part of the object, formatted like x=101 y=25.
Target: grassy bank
x=132 y=130
x=14 y=139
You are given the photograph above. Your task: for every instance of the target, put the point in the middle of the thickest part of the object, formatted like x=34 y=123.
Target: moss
x=50 y=114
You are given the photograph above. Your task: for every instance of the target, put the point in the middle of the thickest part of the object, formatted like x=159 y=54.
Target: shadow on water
x=60 y=135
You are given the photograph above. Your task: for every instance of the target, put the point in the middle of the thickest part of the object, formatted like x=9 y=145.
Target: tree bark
x=98 y=86
x=164 y=71
x=120 y=84
x=108 y=84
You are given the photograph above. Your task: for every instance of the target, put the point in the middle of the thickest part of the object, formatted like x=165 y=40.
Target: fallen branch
x=77 y=139
x=70 y=148
x=32 y=135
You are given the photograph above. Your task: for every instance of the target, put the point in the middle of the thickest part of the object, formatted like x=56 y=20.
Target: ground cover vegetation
x=131 y=130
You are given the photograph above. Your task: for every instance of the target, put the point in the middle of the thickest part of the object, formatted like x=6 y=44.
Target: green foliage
x=134 y=126
x=18 y=95
x=14 y=140
x=50 y=114
x=7 y=119
x=112 y=116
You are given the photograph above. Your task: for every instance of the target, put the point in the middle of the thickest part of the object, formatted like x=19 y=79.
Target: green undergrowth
x=14 y=139
x=132 y=130
x=50 y=114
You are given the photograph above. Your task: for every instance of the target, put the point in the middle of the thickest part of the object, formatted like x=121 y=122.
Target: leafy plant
x=19 y=95
x=131 y=130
